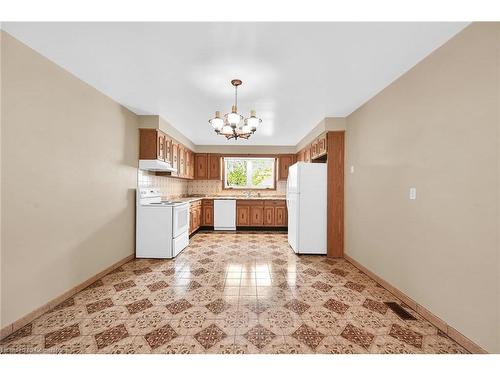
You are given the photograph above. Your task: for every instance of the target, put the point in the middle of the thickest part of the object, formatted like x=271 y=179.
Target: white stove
x=162 y=227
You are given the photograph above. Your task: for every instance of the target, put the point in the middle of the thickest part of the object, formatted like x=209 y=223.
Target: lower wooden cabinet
x=268 y=216
x=280 y=217
x=208 y=213
x=242 y=215
x=257 y=216
x=194 y=216
x=261 y=213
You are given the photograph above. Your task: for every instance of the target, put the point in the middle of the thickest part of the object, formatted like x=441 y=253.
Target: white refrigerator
x=306 y=202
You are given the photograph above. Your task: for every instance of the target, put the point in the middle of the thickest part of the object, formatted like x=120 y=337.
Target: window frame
x=223 y=175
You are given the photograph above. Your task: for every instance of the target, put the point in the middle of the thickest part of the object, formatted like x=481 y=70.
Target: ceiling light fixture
x=233 y=125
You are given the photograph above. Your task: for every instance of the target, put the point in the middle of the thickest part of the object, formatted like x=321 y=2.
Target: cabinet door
x=307 y=154
x=285 y=161
x=208 y=216
x=189 y=162
x=198 y=217
x=214 y=167
x=182 y=161
x=242 y=215
x=269 y=216
x=280 y=217
x=256 y=216
x=168 y=149
x=200 y=164
x=160 y=145
x=191 y=220
x=321 y=144
x=175 y=158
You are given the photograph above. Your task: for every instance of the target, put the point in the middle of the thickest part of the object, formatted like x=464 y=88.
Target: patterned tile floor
x=231 y=293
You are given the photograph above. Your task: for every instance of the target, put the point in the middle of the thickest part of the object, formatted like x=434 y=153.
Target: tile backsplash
x=175 y=187
x=170 y=187
x=207 y=187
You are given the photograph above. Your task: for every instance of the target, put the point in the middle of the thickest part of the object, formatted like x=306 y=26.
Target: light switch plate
x=351 y=169
x=413 y=193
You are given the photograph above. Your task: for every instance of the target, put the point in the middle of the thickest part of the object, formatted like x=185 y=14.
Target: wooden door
x=214 y=166
x=256 y=216
x=280 y=217
x=242 y=215
x=200 y=164
x=269 y=216
x=160 y=145
x=284 y=162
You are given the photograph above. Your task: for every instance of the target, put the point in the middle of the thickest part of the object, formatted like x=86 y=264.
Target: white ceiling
x=294 y=74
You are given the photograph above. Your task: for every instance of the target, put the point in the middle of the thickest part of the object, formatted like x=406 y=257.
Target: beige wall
x=436 y=128
x=69 y=157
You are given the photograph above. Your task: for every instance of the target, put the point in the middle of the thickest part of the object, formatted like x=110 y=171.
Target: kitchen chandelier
x=233 y=125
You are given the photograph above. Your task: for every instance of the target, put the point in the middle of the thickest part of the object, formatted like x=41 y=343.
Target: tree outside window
x=249 y=173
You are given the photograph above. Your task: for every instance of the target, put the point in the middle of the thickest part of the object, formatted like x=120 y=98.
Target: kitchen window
x=249 y=173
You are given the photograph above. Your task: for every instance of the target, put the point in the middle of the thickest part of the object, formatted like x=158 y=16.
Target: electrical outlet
x=351 y=169
x=413 y=193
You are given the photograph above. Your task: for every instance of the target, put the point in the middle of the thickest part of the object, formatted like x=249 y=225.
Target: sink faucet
x=248 y=194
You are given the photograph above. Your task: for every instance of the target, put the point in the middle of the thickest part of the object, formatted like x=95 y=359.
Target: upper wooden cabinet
x=284 y=162
x=200 y=165
x=207 y=166
x=214 y=161
x=154 y=144
x=315 y=150
x=321 y=146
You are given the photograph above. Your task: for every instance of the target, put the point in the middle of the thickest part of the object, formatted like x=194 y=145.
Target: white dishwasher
x=224 y=214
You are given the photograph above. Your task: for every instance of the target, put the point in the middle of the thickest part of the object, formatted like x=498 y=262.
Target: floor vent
x=400 y=311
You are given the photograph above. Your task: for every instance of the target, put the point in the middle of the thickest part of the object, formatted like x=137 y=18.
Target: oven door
x=181 y=220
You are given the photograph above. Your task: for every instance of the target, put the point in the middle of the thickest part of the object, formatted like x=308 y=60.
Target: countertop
x=239 y=197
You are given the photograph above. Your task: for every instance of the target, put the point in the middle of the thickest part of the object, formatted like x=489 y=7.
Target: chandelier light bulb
x=217 y=123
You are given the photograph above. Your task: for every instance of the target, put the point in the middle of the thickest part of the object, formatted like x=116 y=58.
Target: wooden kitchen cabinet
x=168 y=149
x=280 y=217
x=307 y=154
x=268 y=216
x=284 y=162
x=261 y=213
x=207 y=213
x=154 y=144
x=195 y=212
x=242 y=215
x=257 y=215
x=151 y=144
x=321 y=146
x=201 y=165
x=189 y=164
x=214 y=161
x=182 y=161
x=175 y=158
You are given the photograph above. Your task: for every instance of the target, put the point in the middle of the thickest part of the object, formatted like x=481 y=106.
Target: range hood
x=156 y=166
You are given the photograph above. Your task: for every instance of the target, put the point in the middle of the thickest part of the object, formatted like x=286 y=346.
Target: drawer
x=207 y=202
x=249 y=202
x=274 y=203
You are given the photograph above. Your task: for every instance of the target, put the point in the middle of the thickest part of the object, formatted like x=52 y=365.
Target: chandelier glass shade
x=233 y=125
